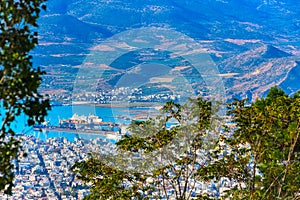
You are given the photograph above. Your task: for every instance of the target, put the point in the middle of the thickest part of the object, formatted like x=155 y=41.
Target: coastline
x=108 y=134
x=119 y=105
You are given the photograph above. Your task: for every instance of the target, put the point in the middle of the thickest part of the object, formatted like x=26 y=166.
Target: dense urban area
x=117 y=95
x=45 y=172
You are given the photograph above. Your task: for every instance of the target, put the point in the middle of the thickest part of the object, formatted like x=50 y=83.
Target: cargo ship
x=82 y=124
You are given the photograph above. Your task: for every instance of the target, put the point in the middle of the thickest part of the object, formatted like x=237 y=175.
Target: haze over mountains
x=254 y=43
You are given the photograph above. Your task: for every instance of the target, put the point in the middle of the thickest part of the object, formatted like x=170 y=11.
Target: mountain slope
x=254 y=43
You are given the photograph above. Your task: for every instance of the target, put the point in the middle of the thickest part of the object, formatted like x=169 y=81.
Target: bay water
x=122 y=116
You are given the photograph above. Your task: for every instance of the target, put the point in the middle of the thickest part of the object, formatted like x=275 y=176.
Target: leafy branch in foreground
x=265 y=147
x=254 y=156
x=156 y=160
x=19 y=82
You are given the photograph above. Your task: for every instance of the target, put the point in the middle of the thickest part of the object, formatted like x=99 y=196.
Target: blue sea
x=118 y=115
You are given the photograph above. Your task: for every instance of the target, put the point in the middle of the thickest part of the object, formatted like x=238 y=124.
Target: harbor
x=114 y=122
x=83 y=124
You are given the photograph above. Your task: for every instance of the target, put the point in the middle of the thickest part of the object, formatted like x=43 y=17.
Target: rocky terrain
x=254 y=44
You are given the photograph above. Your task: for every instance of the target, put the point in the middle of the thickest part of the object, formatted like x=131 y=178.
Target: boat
x=90 y=124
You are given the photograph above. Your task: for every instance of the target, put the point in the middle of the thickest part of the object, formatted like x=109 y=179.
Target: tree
x=264 y=146
x=19 y=81
x=254 y=156
x=156 y=158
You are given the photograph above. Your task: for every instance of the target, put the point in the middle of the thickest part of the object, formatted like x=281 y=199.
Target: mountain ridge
x=245 y=38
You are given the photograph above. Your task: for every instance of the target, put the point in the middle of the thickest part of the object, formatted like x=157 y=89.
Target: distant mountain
x=253 y=72
x=66 y=28
x=255 y=43
x=273 y=52
x=291 y=83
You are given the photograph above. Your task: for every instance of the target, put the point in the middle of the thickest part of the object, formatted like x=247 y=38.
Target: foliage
x=265 y=147
x=19 y=82
x=255 y=156
x=168 y=157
